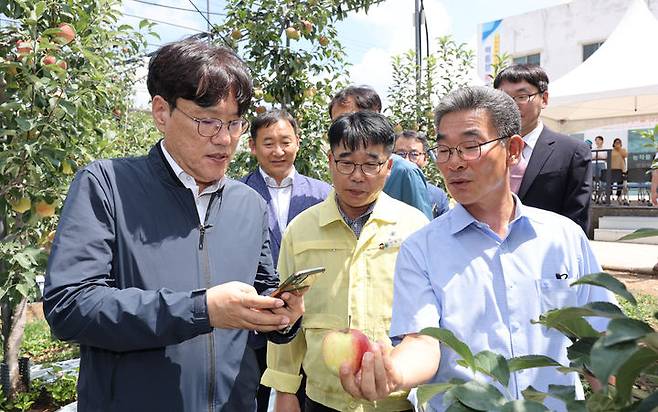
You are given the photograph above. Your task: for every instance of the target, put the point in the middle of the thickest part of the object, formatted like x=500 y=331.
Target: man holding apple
x=484 y=269
x=161 y=264
x=355 y=234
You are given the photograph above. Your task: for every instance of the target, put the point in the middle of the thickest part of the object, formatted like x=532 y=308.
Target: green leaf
x=651 y=340
x=427 y=392
x=566 y=393
x=578 y=352
x=448 y=338
x=479 y=396
x=24 y=260
x=639 y=234
x=609 y=282
x=649 y=404
x=523 y=406
x=459 y=407
x=143 y=23
x=600 y=402
x=530 y=361
x=606 y=360
x=39 y=9
x=640 y=361
x=533 y=394
x=623 y=330
x=23 y=289
x=494 y=365
x=570 y=321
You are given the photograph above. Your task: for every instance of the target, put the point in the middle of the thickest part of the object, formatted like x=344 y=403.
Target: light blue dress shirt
x=456 y=273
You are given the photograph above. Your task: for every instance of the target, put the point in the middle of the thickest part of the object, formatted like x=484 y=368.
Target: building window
x=589 y=49
x=528 y=59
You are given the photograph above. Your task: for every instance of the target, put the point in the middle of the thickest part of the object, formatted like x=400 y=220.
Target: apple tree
x=66 y=68
x=412 y=103
x=297 y=62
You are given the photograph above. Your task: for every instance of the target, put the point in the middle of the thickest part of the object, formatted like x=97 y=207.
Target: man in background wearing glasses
x=355 y=234
x=413 y=146
x=555 y=171
x=160 y=261
x=483 y=270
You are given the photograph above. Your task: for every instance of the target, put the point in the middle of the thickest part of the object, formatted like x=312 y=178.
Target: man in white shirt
x=275 y=143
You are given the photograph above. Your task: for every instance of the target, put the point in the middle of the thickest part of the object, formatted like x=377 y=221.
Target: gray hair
x=503 y=111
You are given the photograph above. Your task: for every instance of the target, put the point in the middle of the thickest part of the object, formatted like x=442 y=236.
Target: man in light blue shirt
x=486 y=268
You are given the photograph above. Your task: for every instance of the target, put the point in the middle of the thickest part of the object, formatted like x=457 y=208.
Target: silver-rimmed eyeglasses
x=413 y=155
x=210 y=127
x=467 y=151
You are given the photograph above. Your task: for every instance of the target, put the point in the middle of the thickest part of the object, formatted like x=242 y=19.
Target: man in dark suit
x=275 y=143
x=555 y=172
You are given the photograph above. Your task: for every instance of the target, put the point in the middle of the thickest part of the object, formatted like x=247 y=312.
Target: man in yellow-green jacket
x=355 y=234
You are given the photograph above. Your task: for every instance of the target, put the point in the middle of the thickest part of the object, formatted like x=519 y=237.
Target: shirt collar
x=271 y=182
x=460 y=218
x=531 y=138
x=383 y=209
x=187 y=180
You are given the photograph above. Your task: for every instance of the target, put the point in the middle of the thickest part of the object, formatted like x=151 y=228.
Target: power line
x=176 y=8
x=165 y=22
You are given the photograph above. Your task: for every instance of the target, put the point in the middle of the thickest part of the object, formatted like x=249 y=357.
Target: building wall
x=558 y=33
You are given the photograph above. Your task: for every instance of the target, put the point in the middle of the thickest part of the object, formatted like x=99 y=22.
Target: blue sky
x=370 y=39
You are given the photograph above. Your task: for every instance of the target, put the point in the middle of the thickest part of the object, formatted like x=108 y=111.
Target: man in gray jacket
x=160 y=262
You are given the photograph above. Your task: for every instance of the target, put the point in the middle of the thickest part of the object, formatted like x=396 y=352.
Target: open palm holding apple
x=365 y=369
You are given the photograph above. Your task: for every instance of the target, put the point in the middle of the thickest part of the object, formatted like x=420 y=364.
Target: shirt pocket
x=555 y=294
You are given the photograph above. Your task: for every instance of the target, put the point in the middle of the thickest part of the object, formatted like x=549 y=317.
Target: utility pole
x=418 y=22
x=208 y=18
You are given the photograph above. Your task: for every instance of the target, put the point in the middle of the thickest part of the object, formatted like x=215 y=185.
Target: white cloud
x=391 y=24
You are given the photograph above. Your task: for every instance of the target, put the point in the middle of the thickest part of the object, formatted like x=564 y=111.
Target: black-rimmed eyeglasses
x=210 y=127
x=467 y=151
x=524 y=98
x=346 y=167
x=413 y=155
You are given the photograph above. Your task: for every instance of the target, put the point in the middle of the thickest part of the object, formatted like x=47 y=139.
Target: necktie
x=516 y=173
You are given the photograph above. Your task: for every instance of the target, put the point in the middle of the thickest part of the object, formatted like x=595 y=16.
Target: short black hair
x=598 y=137
x=271 y=117
x=503 y=112
x=360 y=130
x=412 y=134
x=531 y=73
x=365 y=98
x=203 y=73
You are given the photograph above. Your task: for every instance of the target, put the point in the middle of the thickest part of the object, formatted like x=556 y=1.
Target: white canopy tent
x=617 y=84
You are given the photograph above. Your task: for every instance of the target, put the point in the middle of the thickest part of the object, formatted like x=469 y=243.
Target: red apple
x=66 y=33
x=49 y=60
x=324 y=41
x=308 y=26
x=63 y=65
x=236 y=34
x=344 y=346
x=23 y=47
x=261 y=109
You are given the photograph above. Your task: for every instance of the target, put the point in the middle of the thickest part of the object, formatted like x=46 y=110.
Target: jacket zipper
x=203 y=226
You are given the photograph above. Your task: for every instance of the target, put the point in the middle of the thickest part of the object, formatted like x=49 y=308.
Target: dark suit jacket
x=306 y=192
x=559 y=177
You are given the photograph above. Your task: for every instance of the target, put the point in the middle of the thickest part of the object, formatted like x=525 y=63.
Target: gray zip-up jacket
x=127 y=277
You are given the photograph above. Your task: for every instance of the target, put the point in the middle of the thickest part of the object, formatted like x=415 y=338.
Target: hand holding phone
x=298 y=282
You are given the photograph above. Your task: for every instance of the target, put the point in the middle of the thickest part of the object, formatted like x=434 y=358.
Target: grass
x=41 y=347
x=646 y=309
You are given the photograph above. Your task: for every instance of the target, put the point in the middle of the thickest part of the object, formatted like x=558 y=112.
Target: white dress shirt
x=200 y=199
x=531 y=140
x=280 y=194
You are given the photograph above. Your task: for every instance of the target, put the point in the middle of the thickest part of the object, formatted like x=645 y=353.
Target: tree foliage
x=64 y=101
x=297 y=63
x=412 y=103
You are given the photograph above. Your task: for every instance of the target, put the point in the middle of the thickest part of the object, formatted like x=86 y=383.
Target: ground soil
x=638 y=283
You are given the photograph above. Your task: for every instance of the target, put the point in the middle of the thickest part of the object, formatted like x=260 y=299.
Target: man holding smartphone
x=355 y=234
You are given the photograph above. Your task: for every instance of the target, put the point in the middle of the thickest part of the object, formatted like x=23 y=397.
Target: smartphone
x=298 y=281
